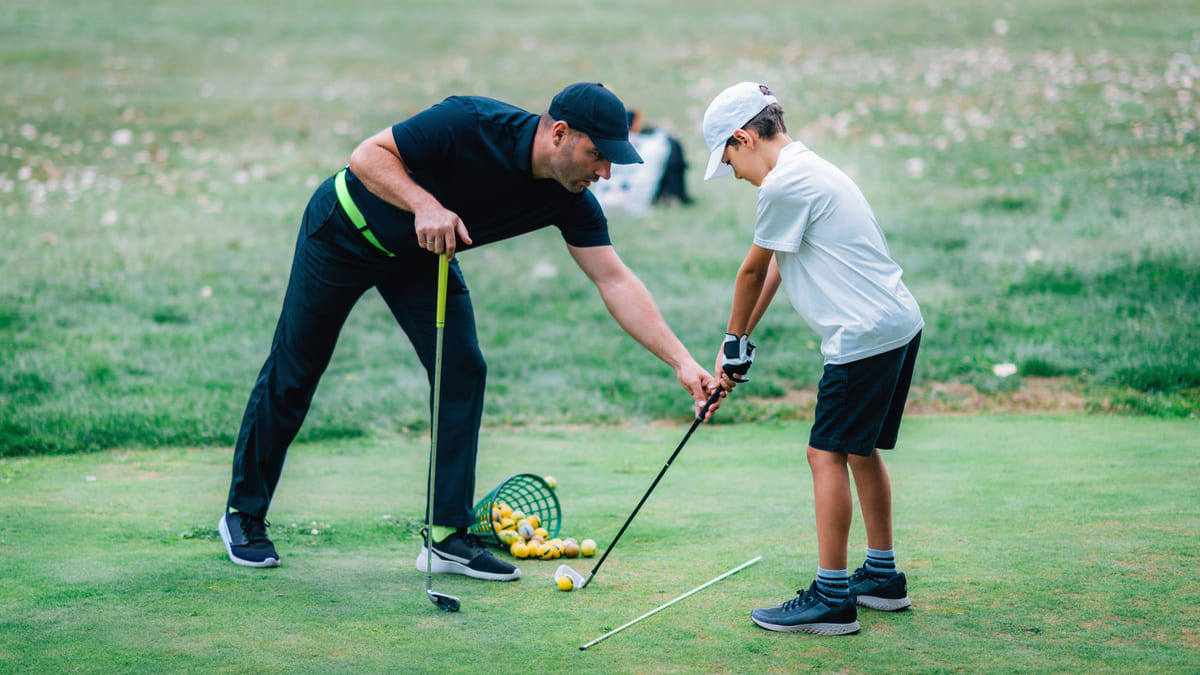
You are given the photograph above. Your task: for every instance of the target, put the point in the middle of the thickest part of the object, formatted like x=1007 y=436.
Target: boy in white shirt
x=817 y=236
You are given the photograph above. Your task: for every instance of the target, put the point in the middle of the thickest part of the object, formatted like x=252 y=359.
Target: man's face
x=578 y=163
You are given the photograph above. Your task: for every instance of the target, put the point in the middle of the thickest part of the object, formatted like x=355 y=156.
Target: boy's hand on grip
x=737 y=354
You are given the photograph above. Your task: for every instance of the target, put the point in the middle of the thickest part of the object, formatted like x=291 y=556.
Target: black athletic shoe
x=886 y=594
x=463 y=553
x=246 y=540
x=809 y=612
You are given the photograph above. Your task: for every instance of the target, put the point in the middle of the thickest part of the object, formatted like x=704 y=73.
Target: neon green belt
x=356 y=216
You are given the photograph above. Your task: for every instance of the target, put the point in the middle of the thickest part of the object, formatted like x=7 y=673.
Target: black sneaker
x=246 y=540
x=886 y=594
x=809 y=612
x=463 y=553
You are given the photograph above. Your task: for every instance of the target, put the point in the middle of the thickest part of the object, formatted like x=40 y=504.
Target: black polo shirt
x=474 y=155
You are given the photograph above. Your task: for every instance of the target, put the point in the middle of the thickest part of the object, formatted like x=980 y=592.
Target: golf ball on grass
x=519 y=549
x=565 y=583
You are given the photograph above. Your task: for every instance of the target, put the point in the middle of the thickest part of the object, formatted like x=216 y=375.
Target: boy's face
x=745 y=157
x=741 y=157
x=728 y=158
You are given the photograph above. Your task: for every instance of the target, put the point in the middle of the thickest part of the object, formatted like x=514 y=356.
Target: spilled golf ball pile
x=525 y=537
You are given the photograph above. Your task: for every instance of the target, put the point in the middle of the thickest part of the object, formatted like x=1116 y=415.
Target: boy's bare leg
x=877 y=584
x=874 y=498
x=834 y=506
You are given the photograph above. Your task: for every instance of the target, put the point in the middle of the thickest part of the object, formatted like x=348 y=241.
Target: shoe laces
x=254 y=528
x=864 y=573
x=474 y=542
x=800 y=599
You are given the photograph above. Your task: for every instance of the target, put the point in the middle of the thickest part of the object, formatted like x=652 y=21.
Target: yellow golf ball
x=587 y=547
x=565 y=583
x=519 y=549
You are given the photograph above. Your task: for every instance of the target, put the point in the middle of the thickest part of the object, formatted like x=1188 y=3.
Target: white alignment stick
x=697 y=589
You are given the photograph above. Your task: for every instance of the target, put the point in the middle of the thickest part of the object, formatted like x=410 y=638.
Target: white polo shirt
x=833 y=258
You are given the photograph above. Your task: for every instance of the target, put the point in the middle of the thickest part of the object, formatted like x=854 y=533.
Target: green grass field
x=1033 y=165
x=1032 y=544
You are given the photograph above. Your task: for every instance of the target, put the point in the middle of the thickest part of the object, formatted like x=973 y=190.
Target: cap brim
x=617 y=151
x=716 y=168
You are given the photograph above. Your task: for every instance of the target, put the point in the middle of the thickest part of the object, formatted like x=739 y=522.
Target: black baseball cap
x=597 y=112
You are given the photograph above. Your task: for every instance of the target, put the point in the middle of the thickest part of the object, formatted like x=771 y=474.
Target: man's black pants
x=332 y=268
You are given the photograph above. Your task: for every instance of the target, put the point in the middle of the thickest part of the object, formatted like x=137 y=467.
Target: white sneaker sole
x=814 y=628
x=884 y=604
x=444 y=566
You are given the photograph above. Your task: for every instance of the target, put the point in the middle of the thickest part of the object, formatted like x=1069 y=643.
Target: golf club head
x=444 y=602
x=564 y=570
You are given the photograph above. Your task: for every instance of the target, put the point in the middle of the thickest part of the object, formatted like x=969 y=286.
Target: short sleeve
x=782 y=216
x=585 y=224
x=427 y=139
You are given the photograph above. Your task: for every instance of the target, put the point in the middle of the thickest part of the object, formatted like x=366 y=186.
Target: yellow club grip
x=443 y=273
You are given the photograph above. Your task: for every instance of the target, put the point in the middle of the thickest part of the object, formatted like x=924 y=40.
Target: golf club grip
x=443 y=274
x=716 y=396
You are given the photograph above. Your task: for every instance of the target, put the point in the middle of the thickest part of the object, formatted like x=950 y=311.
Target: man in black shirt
x=466 y=172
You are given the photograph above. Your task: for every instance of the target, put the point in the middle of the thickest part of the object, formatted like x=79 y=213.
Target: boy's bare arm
x=755 y=286
x=770 y=286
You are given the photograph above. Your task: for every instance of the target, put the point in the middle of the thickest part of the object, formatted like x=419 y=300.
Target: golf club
x=444 y=602
x=665 y=605
x=577 y=580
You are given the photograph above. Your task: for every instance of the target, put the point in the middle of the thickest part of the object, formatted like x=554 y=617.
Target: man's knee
x=468 y=369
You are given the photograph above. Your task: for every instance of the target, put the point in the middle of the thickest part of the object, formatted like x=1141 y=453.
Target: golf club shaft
x=443 y=273
x=695 y=423
x=661 y=607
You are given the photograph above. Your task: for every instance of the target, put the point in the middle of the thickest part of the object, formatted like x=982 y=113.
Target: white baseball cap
x=727 y=113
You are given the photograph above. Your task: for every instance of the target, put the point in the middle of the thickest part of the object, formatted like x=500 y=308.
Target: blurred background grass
x=1033 y=164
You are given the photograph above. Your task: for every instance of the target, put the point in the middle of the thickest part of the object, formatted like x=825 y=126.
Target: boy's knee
x=819 y=458
x=864 y=462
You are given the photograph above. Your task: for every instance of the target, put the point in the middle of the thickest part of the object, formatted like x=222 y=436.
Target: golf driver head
x=444 y=602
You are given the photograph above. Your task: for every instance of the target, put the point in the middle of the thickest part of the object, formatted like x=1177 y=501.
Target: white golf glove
x=736 y=356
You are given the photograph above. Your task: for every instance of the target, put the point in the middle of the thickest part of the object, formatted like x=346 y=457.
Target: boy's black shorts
x=859 y=404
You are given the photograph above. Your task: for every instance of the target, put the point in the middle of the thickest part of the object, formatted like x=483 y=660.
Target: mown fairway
x=1032 y=544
